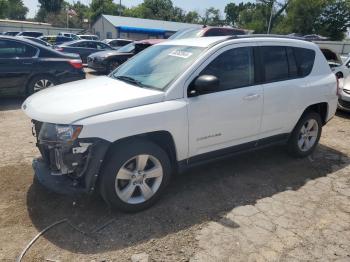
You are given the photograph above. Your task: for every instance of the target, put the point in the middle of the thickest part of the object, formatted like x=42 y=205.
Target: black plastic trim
x=231 y=151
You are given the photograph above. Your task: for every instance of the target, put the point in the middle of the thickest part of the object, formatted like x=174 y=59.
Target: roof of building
x=23 y=22
x=131 y=22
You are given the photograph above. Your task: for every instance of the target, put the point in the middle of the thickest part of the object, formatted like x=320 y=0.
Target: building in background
x=46 y=29
x=108 y=26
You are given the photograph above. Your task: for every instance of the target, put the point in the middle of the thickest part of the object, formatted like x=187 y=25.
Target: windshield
x=127 y=48
x=157 y=66
x=186 y=33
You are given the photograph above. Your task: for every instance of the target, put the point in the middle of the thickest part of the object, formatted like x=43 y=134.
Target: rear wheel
x=41 y=82
x=135 y=175
x=305 y=135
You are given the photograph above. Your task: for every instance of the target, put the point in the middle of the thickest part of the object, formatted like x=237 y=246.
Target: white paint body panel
x=112 y=110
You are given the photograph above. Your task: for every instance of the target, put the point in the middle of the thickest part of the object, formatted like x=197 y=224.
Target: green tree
x=233 y=12
x=334 y=19
x=301 y=16
x=192 y=17
x=3 y=8
x=212 y=17
x=99 y=7
x=51 y=6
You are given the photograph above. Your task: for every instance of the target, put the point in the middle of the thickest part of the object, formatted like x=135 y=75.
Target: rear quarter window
x=305 y=59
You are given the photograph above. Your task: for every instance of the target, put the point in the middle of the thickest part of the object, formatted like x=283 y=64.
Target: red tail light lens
x=77 y=64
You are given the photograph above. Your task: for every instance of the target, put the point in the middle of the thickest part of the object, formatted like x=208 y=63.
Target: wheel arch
x=320 y=108
x=162 y=138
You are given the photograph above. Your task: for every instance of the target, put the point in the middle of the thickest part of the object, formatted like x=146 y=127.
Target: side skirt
x=185 y=164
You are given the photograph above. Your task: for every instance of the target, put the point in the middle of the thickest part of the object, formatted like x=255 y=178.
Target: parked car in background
x=340 y=69
x=205 y=32
x=89 y=37
x=10 y=33
x=107 y=61
x=37 y=40
x=69 y=35
x=315 y=38
x=176 y=105
x=83 y=47
x=117 y=43
x=344 y=96
x=27 y=67
x=30 y=33
x=56 y=40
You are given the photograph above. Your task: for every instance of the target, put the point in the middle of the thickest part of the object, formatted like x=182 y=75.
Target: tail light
x=77 y=63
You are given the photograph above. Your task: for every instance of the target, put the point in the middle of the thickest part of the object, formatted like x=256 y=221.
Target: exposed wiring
x=19 y=259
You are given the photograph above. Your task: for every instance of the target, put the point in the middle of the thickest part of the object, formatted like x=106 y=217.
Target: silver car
x=344 y=96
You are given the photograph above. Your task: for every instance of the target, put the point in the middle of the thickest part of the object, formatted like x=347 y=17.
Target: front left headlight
x=59 y=133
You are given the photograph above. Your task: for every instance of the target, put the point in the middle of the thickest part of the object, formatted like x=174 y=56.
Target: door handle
x=251 y=97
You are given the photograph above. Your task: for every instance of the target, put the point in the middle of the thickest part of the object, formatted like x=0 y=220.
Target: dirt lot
x=260 y=206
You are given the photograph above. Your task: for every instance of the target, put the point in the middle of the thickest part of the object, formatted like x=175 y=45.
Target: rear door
x=283 y=86
x=16 y=65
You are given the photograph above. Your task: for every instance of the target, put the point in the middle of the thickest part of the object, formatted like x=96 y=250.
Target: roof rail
x=266 y=35
x=257 y=36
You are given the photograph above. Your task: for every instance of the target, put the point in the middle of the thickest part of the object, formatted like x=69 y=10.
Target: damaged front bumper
x=69 y=167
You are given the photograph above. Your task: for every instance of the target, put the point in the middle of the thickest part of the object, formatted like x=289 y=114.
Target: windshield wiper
x=130 y=80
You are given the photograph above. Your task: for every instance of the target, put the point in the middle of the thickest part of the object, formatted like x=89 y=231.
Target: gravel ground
x=259 y=206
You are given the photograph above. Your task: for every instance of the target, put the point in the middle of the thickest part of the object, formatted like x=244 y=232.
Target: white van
x=177 y=104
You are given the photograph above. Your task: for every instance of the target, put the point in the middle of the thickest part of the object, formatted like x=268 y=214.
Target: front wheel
x=305 y=135
x=135 y=175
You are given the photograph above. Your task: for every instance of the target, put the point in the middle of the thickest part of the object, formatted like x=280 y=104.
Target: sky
x=198 y=5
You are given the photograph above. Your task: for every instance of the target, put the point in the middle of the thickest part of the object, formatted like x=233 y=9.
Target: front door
x=231 y=115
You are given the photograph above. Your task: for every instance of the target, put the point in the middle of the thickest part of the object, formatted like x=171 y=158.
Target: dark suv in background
x=27 y=67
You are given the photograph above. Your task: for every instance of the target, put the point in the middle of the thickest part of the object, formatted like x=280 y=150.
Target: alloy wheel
x=42 y=84
x=139 y=179
x=308 y=135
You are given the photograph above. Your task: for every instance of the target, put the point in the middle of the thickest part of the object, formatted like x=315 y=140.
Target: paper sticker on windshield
x=180 y=53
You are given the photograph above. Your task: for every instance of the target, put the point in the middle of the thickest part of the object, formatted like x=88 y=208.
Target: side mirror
x=203 y=84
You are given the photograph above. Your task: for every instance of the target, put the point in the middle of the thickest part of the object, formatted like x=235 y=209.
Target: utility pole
x=120 y=7
x=270 y=21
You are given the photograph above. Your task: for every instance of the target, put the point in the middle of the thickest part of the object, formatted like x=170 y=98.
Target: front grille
x=344 y=103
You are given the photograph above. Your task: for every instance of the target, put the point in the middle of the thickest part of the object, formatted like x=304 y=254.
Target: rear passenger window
x=276 y=63
x=305 y=59
x=13 y=49
x=233 y=68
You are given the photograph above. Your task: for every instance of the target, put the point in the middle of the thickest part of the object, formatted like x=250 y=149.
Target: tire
x=111 y=66
x=39 y=83
x=305 y=135
x=122 y=187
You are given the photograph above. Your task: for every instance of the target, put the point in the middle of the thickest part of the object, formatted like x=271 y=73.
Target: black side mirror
x=203 y=84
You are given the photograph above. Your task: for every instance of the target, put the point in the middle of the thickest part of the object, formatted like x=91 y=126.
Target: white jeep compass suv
x=177 y=104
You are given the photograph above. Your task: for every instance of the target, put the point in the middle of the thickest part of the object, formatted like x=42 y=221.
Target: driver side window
x=234 y=68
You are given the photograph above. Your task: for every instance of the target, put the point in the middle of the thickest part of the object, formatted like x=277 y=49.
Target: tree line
x=329 y=18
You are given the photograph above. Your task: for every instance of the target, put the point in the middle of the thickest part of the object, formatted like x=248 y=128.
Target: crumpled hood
x=67 y=103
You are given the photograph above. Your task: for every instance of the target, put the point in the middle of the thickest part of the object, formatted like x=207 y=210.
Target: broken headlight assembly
x=59 y=133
